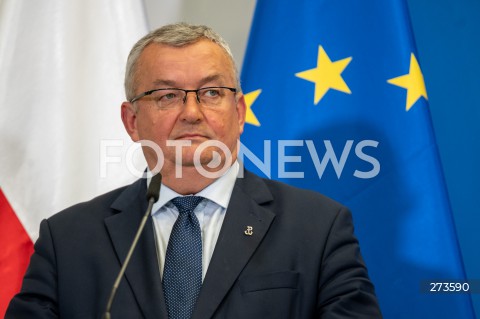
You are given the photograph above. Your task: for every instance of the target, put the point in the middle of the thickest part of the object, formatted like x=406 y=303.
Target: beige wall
x=230 y=18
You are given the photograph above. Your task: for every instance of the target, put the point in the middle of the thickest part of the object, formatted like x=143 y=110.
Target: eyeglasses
x=172 y=97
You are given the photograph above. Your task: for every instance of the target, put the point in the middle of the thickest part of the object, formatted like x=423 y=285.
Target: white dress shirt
x=210 y=213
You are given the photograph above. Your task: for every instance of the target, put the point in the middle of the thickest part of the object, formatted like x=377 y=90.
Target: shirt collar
x=219 y=191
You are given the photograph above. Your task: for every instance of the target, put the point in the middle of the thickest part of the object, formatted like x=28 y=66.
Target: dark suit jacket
x=301 y=261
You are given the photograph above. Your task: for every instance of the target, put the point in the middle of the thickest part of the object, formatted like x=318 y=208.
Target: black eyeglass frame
x=138 y=97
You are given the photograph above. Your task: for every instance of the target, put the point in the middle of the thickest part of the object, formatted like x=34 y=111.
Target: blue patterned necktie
x=182 y=273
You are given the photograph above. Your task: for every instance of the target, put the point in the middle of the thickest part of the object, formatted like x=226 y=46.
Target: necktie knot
x=186 y=204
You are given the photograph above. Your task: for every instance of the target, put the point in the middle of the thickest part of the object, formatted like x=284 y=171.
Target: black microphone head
x=154 y=187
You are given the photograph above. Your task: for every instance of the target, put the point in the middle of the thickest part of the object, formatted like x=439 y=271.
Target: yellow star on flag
x=250 y=98
x=413 y=82
x=327 y=75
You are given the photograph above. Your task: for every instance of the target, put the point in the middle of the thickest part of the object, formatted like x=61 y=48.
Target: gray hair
x=176 y=35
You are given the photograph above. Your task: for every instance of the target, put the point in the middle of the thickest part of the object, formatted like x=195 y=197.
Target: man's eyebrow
x=213 y=78
x=166 y=83
x=207 y=79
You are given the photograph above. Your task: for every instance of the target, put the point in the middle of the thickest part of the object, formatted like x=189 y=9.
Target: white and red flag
x=61 y=85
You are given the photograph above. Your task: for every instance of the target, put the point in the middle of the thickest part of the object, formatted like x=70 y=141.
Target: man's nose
x=185 y=98
x=191 y=110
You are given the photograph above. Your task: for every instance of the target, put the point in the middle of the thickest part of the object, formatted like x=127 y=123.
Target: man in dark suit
x=254 y=248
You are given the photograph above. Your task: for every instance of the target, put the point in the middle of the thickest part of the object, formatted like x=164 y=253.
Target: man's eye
x=168 y=96
x=212 y=93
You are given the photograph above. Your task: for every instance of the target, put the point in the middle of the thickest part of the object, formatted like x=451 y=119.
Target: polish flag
x=61 y=85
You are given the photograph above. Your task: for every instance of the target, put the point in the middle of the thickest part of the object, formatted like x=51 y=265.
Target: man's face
x=198 y=65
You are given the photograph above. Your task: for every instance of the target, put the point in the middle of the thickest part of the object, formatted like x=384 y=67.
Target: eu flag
x=337 y=103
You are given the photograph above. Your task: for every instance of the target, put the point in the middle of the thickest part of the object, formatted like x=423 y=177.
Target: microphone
x=153 y=193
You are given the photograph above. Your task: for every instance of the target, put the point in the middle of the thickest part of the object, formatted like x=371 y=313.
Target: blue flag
x=337 y=103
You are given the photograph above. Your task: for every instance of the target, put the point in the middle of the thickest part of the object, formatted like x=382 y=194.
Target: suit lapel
x=142 y=273
x=235 y=244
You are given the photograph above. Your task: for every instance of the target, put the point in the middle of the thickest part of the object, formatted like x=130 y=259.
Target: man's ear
x=241 y=111
x=129 y=119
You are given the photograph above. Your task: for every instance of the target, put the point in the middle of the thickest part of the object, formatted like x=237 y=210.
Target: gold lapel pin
x=249 y=231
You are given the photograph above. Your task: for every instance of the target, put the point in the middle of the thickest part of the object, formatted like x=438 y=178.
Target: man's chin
x=207 y=164
x=206 y=161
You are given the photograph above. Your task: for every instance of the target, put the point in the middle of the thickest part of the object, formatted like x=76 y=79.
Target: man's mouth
x=191 y=136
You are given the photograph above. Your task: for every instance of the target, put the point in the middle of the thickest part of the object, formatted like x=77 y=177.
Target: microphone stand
x=153 y=193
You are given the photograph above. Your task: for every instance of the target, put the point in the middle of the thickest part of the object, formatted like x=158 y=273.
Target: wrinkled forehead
x=201 y=59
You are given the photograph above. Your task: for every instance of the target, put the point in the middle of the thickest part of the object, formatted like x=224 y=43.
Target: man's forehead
x=217 y=78
x=204 y=53
x=165 y=65
x=202 y=45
